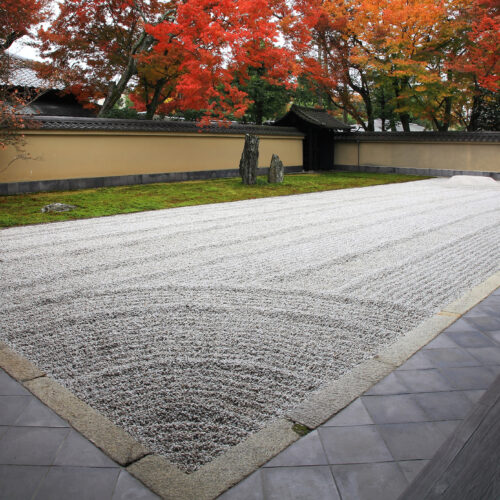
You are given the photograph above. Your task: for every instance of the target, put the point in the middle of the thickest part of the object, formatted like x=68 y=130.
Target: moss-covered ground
x=17 y=210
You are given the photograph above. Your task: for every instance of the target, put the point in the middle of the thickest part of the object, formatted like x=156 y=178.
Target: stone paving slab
x=377 y=445
x=43 y=458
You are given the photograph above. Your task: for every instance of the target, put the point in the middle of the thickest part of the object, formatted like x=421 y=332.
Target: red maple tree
x=480 y=51
x=173 y=54
x=404 y=58
x=17 y=18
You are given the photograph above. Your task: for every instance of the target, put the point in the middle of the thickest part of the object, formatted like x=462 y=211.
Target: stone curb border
x=213 y=478
x=9 y=188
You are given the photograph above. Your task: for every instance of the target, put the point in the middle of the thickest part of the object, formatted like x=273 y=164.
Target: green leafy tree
x=267 y=101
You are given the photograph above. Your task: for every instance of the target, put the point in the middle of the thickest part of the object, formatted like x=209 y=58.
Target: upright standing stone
x=276 y=170
x=249 y=159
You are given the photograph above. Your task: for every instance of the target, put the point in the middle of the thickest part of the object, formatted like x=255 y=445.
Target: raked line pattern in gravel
x=194 y=327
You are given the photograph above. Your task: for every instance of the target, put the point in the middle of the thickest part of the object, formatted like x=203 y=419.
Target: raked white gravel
x=193 y=327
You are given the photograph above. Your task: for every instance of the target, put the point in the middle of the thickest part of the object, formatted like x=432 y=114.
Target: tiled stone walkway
x=376 y=446
x=42 y=457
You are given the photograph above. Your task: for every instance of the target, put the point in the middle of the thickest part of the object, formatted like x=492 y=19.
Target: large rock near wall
x=249 y=159
x=276 y=170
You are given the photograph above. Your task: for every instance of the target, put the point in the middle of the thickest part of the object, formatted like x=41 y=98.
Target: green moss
x=18 y=210
x=301 y=430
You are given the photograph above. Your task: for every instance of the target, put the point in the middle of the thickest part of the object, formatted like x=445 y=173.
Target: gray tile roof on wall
x=319 y=117
x=23 y=74
x=418 y=137
x=315 y=116
x=115 y=124
x=56 y=108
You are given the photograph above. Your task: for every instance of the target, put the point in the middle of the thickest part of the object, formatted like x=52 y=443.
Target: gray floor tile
x=299 y=483
x=490 y=300
x=415 y=441
x=492 y=306
x=470 y=339
x=468 y=377
x=475 y=395
x=493 y=302
x=129 y=488
x=36 y=414
x=486 y=355
x=9 y=387
x=450 y=357
x=349 y=445
x=417 y=362
x=354 y=414
x=423 y=380
x=308 y=450
x=484 y=309
x=495 y=369
x=485 y=323
x=495 y=336
x=461 y=325
x=452 y=405
x=447 y=427
x=379 y=481
x=11 y=408
x=493 y=298
x=394 y=409
x=411 y=468
x=18 y=482
x=31 y=445
x=251 y=488
x=78 y=483
x=3 y=430
x=388 y=385
x=441 y=341
x=79 y=452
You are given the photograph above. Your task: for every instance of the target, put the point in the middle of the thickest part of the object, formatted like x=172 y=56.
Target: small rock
x=276 y=170
x=57 y=207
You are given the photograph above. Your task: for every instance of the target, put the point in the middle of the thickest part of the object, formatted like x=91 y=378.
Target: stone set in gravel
x=193 y=327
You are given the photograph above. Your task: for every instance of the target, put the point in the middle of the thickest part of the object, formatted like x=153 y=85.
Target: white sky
x=19 y=48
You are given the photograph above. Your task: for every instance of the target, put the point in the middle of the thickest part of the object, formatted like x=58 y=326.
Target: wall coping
x=482 y=136
x=45 y=123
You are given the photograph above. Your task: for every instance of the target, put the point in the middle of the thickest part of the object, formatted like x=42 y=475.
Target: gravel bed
x=193 y=327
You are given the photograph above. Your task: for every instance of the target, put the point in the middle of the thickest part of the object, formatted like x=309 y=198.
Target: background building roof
x=23 y=74
x=314 y=116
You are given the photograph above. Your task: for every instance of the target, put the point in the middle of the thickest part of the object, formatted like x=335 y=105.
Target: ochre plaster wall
x=473 y=156
x=73 y=155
